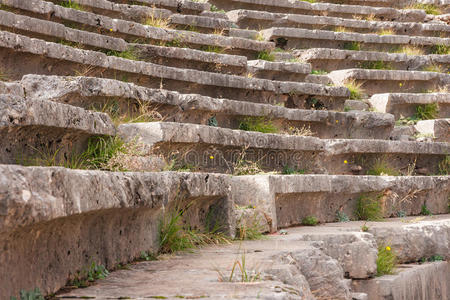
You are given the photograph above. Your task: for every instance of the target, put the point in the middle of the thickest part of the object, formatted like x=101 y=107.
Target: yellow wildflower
x=345 y=162
x=111 y=30
x=211 y=157
x=388 y=248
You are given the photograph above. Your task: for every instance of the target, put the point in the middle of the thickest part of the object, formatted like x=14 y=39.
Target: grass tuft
x=386 y=260
x=369 y=208
x=430 y=9
x=434 y=68
x=265 y=55
x=440 y=49
x=128 y=54
x=410 y=50
x=356 y=92
x=259 y=124
x=381 y=168
x=310 y=221
x=427 y=111
x=386 y=32
x=376 y=65
x=157 y=22
x=355 y=46
x=319 y=72
x=444 y=166
x=246 y=275
x=29 y=295
x=424 y=211
x=70 y=4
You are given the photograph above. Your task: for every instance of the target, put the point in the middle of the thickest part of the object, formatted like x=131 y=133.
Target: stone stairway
x=257 y=113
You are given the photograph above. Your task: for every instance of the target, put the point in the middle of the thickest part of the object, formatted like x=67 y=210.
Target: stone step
x=335 y=59
x=131 y=31
x=56 y=59
x=324 y=9
x=288 y=264
x=289 y=38
x=261 y=19
x=438 y=130
x=285 y=200
x=281 y=71
x=213 y=149
x=141 y=14
x=392 y=81
x=177 y=6
x=89 y=92
x=405 y=105
x=32 y=127
x=387 y=3
x=412 y=281
x=57 y=221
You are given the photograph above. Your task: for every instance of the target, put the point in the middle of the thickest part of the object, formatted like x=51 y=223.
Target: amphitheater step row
x=121 y=98
x=258 y=20
x=324 y=9
x=288 y=38
x=213 y=149
x=335 y=59
x=87 y=216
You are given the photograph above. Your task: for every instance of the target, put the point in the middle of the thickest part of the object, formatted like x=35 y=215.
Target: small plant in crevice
x=356 y=91
x=444 y=166
x=440 y=49
x=29 y=295
x=249 y=228
x=424 y=211
x=410 y=50
x=342 y=216
x=128 y=54
x=310 y=221
x=427 y=111
x=259 y=124
x=300 y=131
x=369 y=208
x=157 y=22
x=319 y=72
x=246 y=274
x=433 y=258
x=381 y=167
x=434 y=68
x=213 y=49
x=147 y=256
x=288 y=170
x=430 y=9
x=242 y=166
x=364 y=228
x=386 y=32
x=354 y=46
x=70 y=4
x=175 y=235
x=266 y=55
x=386 y=260
x=375 y=65
x=216 y=9
x=88 y=275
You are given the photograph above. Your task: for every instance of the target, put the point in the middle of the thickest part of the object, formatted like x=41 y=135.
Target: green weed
x=157 y=22
x=444 y=166
x=259 y=124
x=424 y=211
x=410 y=50
x=265 y=55
x=386 y=32
x=355 y=46
x=310 y=221
x=287 y=170
x=70 y=4
x=369 y=208
x=246 y=275
x=249 y=229
x=29 y=295
x=342 y=217
x=434 y=68
x=128 y=54
x=319 y=72
x=386 y=260
x=430 y=9
x=376 y=65
x=214 y=49
x=92 y=273
x=427 y=111
x=381 y=167
x=356 y=91
x=440 y=49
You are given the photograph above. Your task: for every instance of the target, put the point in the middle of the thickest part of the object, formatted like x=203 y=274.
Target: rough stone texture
x=180 y=6
x=356 y=105
x=192 y=108
x=355 y=251
x=31 y=126
x=56 y=221
x=278 y=70
x=335 y=10
x=392 y=81
x=194 y=144
x=287 y=38
x=427 y=281
x=411 y=242
x=285 y=200
x=335 y=59
x=206 y=83
x=263 y=19
x=404 y=104
x=438 y=129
